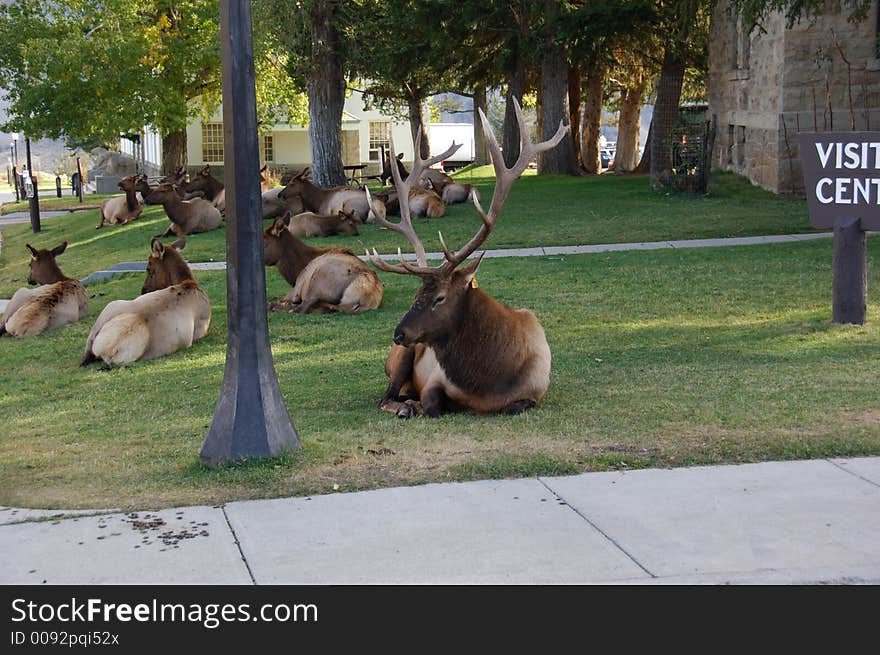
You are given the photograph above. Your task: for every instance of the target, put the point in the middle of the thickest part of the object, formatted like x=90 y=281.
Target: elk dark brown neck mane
x=294 y=255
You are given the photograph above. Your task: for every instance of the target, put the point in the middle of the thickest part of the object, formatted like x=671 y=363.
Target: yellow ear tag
x=474 y=284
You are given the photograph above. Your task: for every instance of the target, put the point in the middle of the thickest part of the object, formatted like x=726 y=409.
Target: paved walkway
x=799 y=522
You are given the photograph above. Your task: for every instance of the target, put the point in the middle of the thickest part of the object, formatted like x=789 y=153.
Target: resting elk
x=212 y=188
x=447 y=188
x=423 y=203
x=458 y=349
x=385 y=175
x=58 y=300
x=323 y=279
x=309 y=224
x=171 y=313
x=120 y=210
x=325 y=201
x=187 y=216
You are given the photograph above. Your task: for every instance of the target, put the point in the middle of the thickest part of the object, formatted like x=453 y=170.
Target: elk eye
x=438 y=300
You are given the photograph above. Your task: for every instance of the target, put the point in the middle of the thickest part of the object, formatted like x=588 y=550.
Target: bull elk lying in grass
x=171 y=313
x=457 y=348
x=323 y=279
x=120 y=210
x=325 y=201
x=58 y=300
x=187 y=216
x=209 y=186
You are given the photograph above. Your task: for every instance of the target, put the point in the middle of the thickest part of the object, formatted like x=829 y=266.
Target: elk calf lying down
x=458 y=349
x=58 y=300
x=120 y=210
x=187 y=216
x=323 y=279
x=171 y=314
x=309 y=224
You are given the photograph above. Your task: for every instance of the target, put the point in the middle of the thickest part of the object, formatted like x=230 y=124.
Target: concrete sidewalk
x=802 y=522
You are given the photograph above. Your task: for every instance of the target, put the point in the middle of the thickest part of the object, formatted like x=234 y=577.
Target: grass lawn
x=540 y=211
x=660 y=358
x=53 y=203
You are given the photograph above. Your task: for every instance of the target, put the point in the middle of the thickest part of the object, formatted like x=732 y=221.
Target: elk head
x=272 y=240
x=160 y=194
x=295 y=186
x=440 y=302
x=135 y=183
x=44 y=268
x=165 y=265
x=348 y=224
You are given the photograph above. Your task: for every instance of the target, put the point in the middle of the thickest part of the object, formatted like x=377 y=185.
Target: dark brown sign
x=842 y=177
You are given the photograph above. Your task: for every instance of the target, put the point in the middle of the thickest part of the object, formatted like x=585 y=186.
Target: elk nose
x=399 y=337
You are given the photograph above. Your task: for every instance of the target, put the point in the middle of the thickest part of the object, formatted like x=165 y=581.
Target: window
x=379 y=136
x=268 y=148
x=212 y=142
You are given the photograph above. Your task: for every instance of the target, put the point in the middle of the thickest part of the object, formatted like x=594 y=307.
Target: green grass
x=660 y=358
x=50 y=202
x=541 y=211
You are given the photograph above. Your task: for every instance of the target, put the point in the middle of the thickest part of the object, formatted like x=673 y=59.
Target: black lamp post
x=250 y=420
x=34 y=196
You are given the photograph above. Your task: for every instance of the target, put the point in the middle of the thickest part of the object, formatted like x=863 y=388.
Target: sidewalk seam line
x=597 y=528
x=238 y=545
x=853 y=473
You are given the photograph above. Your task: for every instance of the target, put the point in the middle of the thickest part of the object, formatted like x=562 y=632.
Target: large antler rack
x=504 y=179
x=405 y=226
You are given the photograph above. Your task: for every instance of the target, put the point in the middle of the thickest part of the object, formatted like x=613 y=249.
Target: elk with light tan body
x=325 y=201
x=450 y=191
x=323 y=279
x=58 y=300
x=209 y=186
x=309 y=224
x=171 y=313
x=457 y=348
x=423 y=203
x=120 y=210
x=187 y=216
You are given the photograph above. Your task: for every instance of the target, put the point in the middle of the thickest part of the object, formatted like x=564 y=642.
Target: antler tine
x=405 y=226
x=404 y=267
x=504 y=179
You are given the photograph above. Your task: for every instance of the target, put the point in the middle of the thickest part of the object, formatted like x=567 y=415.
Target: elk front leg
x=399 y=367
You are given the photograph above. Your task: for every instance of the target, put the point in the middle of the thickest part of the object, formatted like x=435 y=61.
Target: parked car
x=606 y=156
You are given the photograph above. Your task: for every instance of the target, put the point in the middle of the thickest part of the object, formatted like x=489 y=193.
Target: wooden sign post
x=842 y=183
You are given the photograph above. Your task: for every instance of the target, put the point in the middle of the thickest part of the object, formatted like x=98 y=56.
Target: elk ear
x=468 y=272
x=156 y=248
x=265 y=166
x=279 y=225
x=400 y=156
x=206 y=170
x=60 y=248
x=180 y=244
x=32 y=249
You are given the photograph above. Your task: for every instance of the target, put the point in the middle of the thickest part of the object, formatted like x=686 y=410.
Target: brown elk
x=325 y=201
x=447 y=188
x=423 y=203
x=212 y=189
x=323 y=279
x=457 y=348
x=120 y=210
x=309 y=224
x=58 y=300
x=187 y=216
x=385 y=175
x=171 y=313
x=177 y=177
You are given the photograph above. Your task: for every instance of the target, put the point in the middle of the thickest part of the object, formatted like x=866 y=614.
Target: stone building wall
x=766 y=86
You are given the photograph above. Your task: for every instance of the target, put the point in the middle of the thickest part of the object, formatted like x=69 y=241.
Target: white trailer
x=441 y=136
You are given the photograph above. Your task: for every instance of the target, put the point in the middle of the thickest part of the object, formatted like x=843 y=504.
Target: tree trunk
x=645 y=162
x=481 y=147
x=574 y=109
x=593 y=120
x=326 y=91
x=173 y=151
x=627 y=154
x=516 y=85
x=665 y=118
x=417 y=122
x=554 y=100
